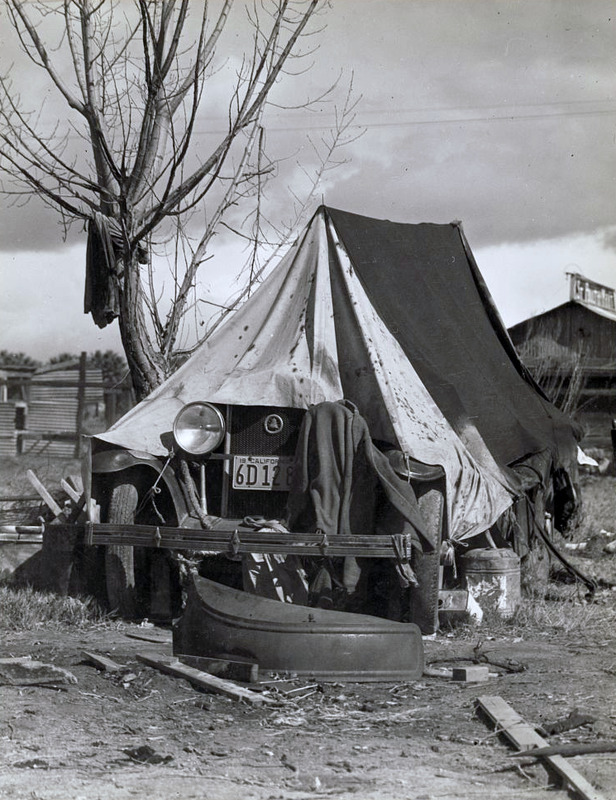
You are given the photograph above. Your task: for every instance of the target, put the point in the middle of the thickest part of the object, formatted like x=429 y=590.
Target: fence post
x=81 y=400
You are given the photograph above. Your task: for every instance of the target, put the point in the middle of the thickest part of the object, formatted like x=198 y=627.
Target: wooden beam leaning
x=204 y=680
x=70 y=491
x=44 y=494
x=526 y=739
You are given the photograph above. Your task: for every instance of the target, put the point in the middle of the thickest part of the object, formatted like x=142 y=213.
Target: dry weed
x=25 y=609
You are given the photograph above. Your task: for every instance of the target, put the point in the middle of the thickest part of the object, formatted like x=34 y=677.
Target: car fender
x=113 y=461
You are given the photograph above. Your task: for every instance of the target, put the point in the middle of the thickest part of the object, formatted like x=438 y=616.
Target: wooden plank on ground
x=228 y=668
x=203 y=680
x=102 y=662
x=525 y=738
x=44 y=494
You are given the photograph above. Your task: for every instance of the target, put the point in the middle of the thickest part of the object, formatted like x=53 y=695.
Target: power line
x=410 y=123
x=359 y=125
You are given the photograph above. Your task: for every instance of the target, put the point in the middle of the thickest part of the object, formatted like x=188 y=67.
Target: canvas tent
x=397 y=319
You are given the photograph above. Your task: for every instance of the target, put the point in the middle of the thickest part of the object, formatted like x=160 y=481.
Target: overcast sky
x=501 y=114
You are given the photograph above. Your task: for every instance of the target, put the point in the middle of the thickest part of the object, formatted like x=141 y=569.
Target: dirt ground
x=417 y=740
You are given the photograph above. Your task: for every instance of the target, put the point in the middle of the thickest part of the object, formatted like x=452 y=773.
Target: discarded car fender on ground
x=293 y=639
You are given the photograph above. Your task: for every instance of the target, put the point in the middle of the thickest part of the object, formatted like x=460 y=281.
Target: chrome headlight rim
x=179 y=433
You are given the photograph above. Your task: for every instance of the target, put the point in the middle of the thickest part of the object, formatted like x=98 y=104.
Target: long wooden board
x=525 y=738
x=204 y=680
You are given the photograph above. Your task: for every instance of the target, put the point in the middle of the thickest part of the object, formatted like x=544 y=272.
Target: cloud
x=500 y=114
x=493 y=113
x=41 y=305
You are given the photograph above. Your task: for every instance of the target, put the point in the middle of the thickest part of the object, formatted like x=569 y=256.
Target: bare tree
x=132 y=77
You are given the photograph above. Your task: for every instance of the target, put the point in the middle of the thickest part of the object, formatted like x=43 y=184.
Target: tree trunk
x=144 y=361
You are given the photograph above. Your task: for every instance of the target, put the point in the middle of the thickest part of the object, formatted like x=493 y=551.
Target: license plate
x=263 y=473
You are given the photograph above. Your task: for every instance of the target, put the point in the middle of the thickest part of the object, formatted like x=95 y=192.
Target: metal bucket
x=492 y=577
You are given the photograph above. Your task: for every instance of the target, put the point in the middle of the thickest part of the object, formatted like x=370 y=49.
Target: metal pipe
x=226 y=467
x=203 y=497
x=22 y=529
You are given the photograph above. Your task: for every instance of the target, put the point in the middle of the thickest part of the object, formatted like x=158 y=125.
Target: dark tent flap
x=431 y=297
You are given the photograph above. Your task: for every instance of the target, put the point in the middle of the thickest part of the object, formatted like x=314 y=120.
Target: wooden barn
x=571 y=352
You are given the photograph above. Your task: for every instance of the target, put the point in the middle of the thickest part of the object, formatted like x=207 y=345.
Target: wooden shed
x=571 y=352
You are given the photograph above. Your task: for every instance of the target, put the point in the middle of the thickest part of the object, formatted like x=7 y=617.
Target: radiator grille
x=249 y=437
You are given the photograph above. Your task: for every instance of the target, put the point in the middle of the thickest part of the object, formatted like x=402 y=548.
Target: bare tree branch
x=132 y=80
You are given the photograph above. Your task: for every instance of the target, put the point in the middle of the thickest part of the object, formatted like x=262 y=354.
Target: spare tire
x=424 y=598
x=120 y=559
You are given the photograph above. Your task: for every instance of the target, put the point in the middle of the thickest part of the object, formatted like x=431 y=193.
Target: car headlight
x=199 y=428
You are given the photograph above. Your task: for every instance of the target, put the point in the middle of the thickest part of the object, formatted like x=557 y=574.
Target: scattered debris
x=146 y=755
x=289 y=689
x=32 y=763
x=478 y=656
x=26 y=672
x=291 y=720
x=526 y=739
x=574 y=720
x=474 y=674
x=448 y=672
x=438 y=672
x=284 y=759
x=204 y=680
x=301 y=692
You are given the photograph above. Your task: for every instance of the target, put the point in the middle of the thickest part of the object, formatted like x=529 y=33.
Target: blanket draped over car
x=342 y=482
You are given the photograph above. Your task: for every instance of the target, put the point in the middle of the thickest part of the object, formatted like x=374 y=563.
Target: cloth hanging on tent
x=341 y=479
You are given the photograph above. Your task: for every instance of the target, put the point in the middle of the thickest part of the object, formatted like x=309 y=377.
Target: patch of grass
x=598 y=506
x=26 y=609
x=566 y=615
x=564 y=611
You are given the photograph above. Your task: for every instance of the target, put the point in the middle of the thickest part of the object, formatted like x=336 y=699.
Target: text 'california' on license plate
x=263 y=473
